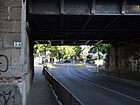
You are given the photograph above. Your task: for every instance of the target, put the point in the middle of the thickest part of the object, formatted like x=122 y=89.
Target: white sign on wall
x=17 y=44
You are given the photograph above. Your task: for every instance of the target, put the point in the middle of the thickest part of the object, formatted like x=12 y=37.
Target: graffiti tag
x=3 y=63
x=8 y=98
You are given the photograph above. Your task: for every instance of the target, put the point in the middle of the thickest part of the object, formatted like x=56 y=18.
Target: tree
x=60 y=52
x=38 y=48
x=100 y=48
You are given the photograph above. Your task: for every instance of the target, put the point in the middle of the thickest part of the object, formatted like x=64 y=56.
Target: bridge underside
x=78 y=22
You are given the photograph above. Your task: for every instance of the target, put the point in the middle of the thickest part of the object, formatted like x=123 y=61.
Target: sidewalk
x=41 y=93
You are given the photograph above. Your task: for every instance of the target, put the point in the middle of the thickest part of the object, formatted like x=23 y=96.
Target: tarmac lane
x=94 y=90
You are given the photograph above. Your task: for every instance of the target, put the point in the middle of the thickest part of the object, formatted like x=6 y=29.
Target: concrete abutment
x=16 y=64
x=123 y=61
x=16 y=56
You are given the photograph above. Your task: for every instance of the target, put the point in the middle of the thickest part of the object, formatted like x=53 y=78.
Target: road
x=95 y=90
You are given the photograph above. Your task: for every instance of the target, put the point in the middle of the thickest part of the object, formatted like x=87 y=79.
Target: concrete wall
x=124 y=61
x=11 y=94
x=10 y=32
x=15 y=62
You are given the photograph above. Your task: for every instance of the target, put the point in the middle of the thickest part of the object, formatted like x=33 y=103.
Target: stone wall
x=124 y=61
x=15 y=62
x=10 y=95
x=10 y=32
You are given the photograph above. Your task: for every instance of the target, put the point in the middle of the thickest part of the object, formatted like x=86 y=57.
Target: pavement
x=95 y=90
x=41 y=93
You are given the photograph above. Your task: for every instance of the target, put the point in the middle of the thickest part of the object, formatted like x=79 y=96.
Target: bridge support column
x=124 y=61
x=15 y=62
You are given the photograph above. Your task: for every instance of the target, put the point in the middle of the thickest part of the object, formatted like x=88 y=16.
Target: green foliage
x=69 y=52
x=101 y=48
x=60 y=52
x=38 y=48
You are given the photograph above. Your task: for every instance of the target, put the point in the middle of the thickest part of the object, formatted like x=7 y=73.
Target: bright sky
x=83 y=46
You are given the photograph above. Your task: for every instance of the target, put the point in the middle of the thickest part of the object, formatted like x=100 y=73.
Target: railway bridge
x=24 y=23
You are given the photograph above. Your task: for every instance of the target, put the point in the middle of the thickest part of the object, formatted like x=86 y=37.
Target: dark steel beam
x=123 y=7
x=128 y=41
x=36 y=22
x=87 y=42
x=30 y=6
x=67 y=42
x=49 y=42
x=74 y=42
x=50 y=36
x=86 y=31
x=61 y=11
x=99 y=42
x=61 y=22
x=93 y=7
x=86 y=23
x=43 y=9
x=36 y=42
x=86 y=38
x=61 y=7
x=82 y=42
x=109 y=24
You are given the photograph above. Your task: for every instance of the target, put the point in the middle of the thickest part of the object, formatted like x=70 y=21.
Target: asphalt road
x=94 y=90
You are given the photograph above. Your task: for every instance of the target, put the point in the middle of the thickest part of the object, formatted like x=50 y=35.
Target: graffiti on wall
x=131 y=62
x=3 y=63
x=7 y=98
x=135 y=61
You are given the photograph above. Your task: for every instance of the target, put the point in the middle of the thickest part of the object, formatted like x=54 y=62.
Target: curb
x=54 y=94
x=56 y=97
x=74 y=98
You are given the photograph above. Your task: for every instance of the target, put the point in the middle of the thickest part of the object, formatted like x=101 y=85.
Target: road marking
x=105 y=87
x=113 y=91
x=88 y=69
x=68 y=69
x=85 y=67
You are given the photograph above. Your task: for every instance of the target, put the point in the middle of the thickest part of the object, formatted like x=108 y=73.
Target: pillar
x=15 y=64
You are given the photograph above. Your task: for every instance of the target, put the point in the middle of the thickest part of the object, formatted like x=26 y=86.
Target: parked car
x=67 y=61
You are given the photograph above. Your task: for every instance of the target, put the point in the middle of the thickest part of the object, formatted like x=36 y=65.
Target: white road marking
x=88 y=69
x=104 y=87
x=68 y=70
